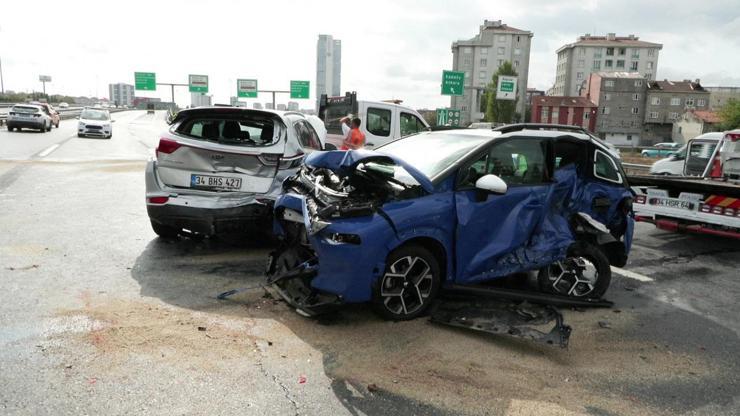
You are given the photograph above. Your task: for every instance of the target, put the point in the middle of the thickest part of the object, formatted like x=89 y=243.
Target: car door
x=379 y=122
x=492 y=229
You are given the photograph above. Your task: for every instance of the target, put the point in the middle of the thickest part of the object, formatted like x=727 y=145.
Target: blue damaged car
x=396 y=225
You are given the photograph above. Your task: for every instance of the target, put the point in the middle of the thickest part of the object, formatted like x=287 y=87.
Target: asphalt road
x=98 y=316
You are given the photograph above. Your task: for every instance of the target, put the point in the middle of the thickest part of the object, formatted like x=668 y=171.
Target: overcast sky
x=390 y=49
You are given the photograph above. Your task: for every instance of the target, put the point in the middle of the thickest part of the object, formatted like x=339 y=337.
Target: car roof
x=224 y=110
x=28 y=105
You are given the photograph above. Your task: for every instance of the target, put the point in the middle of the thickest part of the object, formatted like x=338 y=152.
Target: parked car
x=50 y=111
x=29 y=116
x=95 y=122
x=393 y=226
x=219 y=169
x=63 y=105
x=674 y=163
x=660 y=149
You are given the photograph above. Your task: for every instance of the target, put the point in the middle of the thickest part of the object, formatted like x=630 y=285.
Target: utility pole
x=2 y=85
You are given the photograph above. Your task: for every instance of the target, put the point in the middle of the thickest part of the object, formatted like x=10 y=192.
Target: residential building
x=718 y=96
x=200 y=99
x=234 y=101
x=257 y=106
x=268 y=106
x=666 y=101
x=481 y=56
x=328 y=67
x=281 y=107
x=292 y=106
x=533 y=92
x=620 y=101
x=121 y=94
x=574 y=111
x=694 y=123
x=608 y=53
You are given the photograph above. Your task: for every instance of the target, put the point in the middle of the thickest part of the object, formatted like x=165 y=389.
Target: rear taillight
x=640 y=199
x=733 y=136
x=158 y=199
x=37 y=115
x=167 y=146
x=11 y=113
x=270 y=159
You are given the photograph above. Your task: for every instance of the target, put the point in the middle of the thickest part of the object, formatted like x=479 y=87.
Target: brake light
x=733 y=136
x=271 y=159
x=11 y=113
x=158 y=199
x=640 y=199
x=167 y=146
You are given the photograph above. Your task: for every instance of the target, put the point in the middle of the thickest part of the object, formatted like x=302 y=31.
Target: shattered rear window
x=230 y=131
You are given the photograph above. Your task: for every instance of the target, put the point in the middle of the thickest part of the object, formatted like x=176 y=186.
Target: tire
x=409 y=284
x=164 y=231
x=585 y=273
x=10 y=128
x=50 y=126
x=57 y=125
x=110 y=136
x=80 y=135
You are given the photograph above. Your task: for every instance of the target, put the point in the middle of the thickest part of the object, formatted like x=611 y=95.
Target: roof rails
x=540 y=126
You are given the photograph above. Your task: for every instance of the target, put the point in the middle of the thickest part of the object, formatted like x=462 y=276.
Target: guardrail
x=634 y=168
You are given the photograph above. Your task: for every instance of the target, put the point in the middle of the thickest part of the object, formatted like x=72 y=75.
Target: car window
x=379 y=121
x=94 y=115
x=570 y=153
x=307 y=136
x=229 y=131
x=520 y=161
x=702 y=150
x=24 y=109
x=411 y=124
x=605 y=168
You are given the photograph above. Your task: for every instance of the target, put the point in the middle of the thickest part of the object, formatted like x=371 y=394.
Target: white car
x=63 y=105
x=95 y=123
x=673 y=164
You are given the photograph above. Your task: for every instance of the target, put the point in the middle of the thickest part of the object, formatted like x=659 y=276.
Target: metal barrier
x=634 y=168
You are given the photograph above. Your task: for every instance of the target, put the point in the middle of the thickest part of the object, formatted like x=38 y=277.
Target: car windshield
x=432 y=153
x=94 y=115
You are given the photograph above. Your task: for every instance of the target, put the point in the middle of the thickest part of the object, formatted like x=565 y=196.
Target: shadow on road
x=653 y=356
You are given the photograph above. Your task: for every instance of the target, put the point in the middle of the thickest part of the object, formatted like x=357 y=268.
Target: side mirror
x=491 y=183
x=113 y=121
x=329 y=146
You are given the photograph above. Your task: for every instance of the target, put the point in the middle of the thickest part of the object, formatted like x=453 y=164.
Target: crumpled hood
x=344 y=163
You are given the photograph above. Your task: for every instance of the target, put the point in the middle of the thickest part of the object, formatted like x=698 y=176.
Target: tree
x=501 y=111
x=730 y=115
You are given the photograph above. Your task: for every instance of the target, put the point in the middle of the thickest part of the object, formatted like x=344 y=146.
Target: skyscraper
x=328 y=66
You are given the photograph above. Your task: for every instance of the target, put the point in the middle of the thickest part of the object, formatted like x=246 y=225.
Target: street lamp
x=44 y=79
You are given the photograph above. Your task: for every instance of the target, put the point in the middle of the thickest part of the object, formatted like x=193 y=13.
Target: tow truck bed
x=688 y=184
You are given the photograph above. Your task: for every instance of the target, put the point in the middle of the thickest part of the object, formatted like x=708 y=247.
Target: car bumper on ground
x=103 y=131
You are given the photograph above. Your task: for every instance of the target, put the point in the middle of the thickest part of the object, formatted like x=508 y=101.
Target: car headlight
x=81 y=125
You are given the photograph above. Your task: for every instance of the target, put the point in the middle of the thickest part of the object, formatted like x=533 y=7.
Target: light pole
x=2 y=85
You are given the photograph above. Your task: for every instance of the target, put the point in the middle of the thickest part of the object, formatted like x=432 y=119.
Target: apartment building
x=481 y=56
x=666 y=101
x=328 y=67
x=610 y=53
x=573 y=111
x=719 y=96
x=620 y=101
x=121 y=94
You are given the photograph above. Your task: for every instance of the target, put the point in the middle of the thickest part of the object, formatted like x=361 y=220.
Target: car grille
x=94 y=127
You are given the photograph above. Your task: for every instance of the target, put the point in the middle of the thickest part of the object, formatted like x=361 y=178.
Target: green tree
x=501 y=111
x=730 y=115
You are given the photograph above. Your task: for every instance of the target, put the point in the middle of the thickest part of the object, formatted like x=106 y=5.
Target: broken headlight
x=341 y=238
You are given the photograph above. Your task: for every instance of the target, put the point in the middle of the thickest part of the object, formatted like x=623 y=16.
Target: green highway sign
x=448 y=117
x=198 y=83
x=246 y=88
x=452 y=82
x=506 y=89
x=299 y=89
x=145 y=81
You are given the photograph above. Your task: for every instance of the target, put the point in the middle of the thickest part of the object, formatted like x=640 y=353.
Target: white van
x=381 y=121
x=674 y=164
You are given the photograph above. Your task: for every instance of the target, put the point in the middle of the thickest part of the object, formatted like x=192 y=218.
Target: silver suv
x=220 y=169
x=28 y=116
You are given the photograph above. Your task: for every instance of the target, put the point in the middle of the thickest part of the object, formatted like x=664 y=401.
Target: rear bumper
x=95 y=132
x=30 y=124
x=203 y=213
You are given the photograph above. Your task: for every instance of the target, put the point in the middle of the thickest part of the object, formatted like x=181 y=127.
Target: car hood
x=344 y=163
x=91 y=121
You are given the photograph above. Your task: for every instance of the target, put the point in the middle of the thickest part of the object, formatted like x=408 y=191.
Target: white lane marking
x=632 y=275
x=49 y=150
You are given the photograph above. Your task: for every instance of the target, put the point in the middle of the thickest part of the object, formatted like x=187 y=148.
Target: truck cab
x=382 y=121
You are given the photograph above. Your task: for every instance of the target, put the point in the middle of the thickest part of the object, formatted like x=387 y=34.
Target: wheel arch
x=435 y=247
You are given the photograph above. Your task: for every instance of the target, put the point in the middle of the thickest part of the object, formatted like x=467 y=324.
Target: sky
x=390 y=49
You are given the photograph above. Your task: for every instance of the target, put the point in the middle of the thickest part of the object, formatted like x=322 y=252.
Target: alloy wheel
x=407 y=285
x=574 y=276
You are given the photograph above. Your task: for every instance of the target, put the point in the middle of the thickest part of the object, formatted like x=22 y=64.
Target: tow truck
x=704 y=200
x=382 y=121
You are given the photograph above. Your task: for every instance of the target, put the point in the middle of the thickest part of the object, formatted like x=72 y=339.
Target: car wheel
x=409 y=284
x=80 y=135
x=57 y=125
x=585 y=273
x=49 y=128
x=10 y=128
x=164 y=231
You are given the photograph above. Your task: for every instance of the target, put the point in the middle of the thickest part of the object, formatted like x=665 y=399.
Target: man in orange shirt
x=354 y=138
